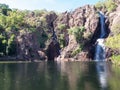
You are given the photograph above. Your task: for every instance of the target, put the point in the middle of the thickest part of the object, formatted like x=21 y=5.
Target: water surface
x=59 y=76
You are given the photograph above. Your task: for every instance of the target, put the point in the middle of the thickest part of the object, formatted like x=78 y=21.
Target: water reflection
x=59 y=76
x=102 y=74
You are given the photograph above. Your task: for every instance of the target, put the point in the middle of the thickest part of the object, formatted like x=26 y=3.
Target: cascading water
x=100 y=55
x=100 y=48
x=102 y=22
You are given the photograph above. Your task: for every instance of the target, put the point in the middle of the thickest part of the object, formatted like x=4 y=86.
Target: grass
x=116 y=59
x=113 y=42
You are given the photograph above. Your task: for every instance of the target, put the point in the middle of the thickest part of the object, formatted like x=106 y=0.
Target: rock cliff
x=76 y=33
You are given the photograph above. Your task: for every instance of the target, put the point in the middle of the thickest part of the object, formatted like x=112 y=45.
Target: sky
x=50 y=5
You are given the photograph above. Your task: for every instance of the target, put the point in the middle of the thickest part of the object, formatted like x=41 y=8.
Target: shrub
x=42 y=39
x=61 y=26
x=77 y=50
x=113 y=42
x=116 y=59
x=61 y=40
x=87 y=35
x=115 y=29
x=109 y=5
x=77 y=32
x=99 y=5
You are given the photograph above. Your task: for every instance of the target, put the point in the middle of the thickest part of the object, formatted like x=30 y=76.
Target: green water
x=59 y=76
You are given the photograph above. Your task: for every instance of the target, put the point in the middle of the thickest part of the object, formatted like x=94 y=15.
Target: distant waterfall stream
x=100 y=47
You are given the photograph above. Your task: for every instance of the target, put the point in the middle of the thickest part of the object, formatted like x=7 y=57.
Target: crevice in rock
x=53 y=50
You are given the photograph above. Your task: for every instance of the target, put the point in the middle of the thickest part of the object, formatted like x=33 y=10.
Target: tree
x=4 y=9
x=109 y=5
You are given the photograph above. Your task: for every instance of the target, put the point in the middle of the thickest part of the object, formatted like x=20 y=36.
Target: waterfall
x=100 y=47
x=102 y=22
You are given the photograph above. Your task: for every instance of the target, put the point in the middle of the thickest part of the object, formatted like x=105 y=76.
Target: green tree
x=4 y=9
x=109 y=5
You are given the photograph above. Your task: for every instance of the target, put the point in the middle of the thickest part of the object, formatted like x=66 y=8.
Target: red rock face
x=28 y=46
x=84 y=16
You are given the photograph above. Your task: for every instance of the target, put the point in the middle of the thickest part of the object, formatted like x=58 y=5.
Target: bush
x=116 y=59
x=109 y=5
x=61 y=26
x=115 y=29
x=77 y=32
x=113 y=42
x=87 y=35
x=61 y=40
x=99 y=5
x=42 y=39
x=77 y=50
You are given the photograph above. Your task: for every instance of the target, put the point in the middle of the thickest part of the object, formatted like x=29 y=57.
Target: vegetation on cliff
x=14 y=23
x=78 y=34
x=108 y=5
x=10 y=23
x=113 y=42
x=21 y=30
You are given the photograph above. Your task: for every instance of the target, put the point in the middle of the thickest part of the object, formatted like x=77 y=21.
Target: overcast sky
x=56 y=5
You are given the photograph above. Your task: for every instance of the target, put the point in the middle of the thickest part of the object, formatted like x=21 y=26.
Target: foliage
x=116 y=59
x=87 y=35
x=11 y=45
x=77 y=32
x=10 y=22
x=42 y=39
x=7 y=45
x=61 y=40
x=115 y=29
x=14 y=22
x=3 y=44
x=40 y=12
x=4 y=9
x=76 y=51
x=110 y=5
x=33 y=22
x=99 y=5
x=61 y=26
x=113 y=42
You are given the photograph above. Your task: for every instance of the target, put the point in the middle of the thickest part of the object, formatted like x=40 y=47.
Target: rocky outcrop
x=85 y=16
x=114 y=25
x=39 y=44
x=28 y=47
x=114 y=19
x=33 y=45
